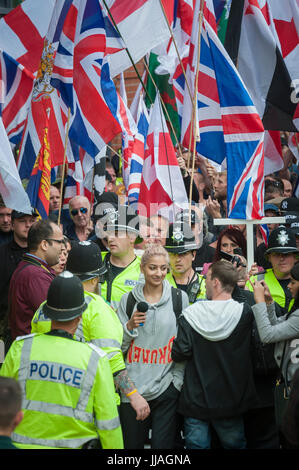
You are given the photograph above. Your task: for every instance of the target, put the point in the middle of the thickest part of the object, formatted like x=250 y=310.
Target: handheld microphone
x=142 y=307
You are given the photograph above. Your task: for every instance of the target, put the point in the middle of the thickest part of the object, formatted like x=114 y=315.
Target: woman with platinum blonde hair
x=148 y=315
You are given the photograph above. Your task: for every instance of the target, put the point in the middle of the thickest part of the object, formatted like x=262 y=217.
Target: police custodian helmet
x=281 y=240
x=65 y=300
x=85 y=260
x=180 y=238
x=124 y=219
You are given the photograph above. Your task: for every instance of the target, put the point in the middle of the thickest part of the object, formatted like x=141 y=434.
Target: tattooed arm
x=123 y=382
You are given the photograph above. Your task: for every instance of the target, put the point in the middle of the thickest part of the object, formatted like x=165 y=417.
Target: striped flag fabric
x=268 y=61
x=162 y=189
x=138 y=152
x=228 y=122
x=81 y=74
x=11 y=189
x=38 y=188
x=273 y=152
x=293 y=144
x=142 y=26
x=129 y=129
x=44 y=96
x=16 y=84
x=23 y=30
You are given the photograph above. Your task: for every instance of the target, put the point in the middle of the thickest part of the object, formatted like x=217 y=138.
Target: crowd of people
x=123 y=331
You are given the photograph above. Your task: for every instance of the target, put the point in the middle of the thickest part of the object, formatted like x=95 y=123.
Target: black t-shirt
x=183 y=287
x=115 y=270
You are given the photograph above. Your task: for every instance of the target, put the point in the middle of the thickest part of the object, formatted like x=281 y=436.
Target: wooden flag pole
x=176 y=48
x=64 y=163
x=195 y=124
x=164 y=107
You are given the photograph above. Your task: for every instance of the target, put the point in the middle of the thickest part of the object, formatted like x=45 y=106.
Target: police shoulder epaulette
x=19 y=338
x=100 y=351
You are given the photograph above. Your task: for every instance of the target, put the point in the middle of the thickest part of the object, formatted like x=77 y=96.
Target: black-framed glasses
x=55 y=240
x=83 y=210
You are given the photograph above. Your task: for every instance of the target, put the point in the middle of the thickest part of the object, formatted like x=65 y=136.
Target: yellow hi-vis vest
x=201 y=294
x=275 y=288
x=99 y=325
x=68 y=393
x=112 y=290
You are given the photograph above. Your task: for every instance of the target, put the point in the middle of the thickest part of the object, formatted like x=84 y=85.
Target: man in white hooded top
x=214 y=337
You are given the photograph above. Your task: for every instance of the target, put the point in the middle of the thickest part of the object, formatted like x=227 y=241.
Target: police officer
x=68 y=390
x=181 y=247
x=282 y=253
x=99 y=324
x=123 y=266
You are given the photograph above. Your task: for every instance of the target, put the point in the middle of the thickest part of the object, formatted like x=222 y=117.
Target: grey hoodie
x=147 y=348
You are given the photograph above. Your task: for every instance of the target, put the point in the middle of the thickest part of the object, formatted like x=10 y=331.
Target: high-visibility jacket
x=199 y=286
x=68 y=392
x=112 y=290
x=277 y=292
x=99 y=325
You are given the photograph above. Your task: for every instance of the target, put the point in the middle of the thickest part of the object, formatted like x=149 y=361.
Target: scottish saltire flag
x=81 y=74
x=38 y=188
x=16 y=83
x=229 y=125
x=162 y=188
x=138 y=151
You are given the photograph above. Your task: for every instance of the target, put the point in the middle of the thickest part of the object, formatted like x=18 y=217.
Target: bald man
x=81 y=226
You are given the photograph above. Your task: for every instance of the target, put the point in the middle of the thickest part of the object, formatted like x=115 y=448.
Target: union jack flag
x=23 y=30
x=81 y=74
x=44 y=96
x=16 y=84
x=228 y=123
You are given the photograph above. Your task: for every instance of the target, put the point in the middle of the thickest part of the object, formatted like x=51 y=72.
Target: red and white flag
x=162 y=188
x=142 y=26
x=293 y=144
x=268 y=45
x=23 y=30
x=273 y=160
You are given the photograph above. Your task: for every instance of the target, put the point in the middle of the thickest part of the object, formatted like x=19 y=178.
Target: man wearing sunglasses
x=31 y=280
x=81 y=227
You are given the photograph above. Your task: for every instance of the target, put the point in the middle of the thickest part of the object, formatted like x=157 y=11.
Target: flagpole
x=127 y=50
x=165 y=109
x=195 y=130
x=176 y=48
x=63 y=166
